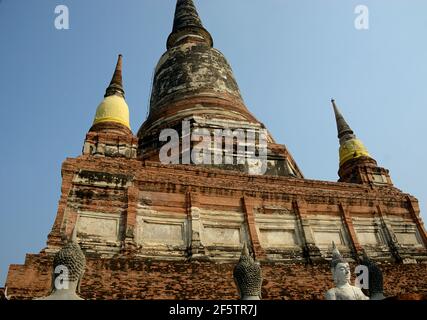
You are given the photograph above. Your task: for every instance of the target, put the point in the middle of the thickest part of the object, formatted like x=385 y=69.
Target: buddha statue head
x=248 y=277
x=340 y=268
x=68 y=268
x=375 y=280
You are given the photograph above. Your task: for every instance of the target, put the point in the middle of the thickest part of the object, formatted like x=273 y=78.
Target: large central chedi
x=156 y=230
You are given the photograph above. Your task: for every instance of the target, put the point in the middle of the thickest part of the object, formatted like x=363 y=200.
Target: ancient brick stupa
x=155 y=230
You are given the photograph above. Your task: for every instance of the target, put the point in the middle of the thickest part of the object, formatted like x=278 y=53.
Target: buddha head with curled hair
x=71 y=259
x=69 y=265
x=248 y=276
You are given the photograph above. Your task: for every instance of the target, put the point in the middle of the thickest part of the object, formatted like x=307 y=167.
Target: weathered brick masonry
x=175 y=231
x=119 y=271
x=132 y=278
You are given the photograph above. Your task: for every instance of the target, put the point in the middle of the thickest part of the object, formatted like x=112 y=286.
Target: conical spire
x=342 y=126
x=114 y=107
x=186 y=15
x=187 y=25
x=116 y=84
x=350 y=146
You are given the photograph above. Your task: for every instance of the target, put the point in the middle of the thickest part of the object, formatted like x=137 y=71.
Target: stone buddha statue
x=376 y=284
x=248 y=277
x=376 y=288
x=341 y=274
x=69 y=265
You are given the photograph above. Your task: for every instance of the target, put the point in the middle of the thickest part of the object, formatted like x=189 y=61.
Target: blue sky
x=289 y=58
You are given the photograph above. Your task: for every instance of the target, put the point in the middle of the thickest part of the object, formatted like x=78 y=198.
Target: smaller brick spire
x=110 y=134
x=350 y=146
x=342 y=125
x=112 y=114
x=116 y=84
x=356 y=164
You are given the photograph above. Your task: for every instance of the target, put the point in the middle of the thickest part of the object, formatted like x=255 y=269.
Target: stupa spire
x=187 y=26
x=114 y=109
x=116 y=84
x=356 y=164
x=350 y=146
x=342 y=125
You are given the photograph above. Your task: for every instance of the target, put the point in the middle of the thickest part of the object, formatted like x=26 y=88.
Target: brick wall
x=137 y=278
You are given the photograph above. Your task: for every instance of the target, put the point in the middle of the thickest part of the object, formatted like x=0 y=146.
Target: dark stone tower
x=194 y=82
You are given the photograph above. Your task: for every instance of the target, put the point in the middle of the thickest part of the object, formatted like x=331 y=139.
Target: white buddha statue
x=341 y=274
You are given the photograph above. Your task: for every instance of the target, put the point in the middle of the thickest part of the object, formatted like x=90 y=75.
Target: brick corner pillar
x=128 y=238
x=348 y=222
x=310 y=251
x=195 y=248
x=54 y=239
x=393 y=243
x=248 y=205
x=414 y=210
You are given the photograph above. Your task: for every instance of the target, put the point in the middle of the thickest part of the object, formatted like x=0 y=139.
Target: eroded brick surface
x=131 y=278
x=141 y=222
